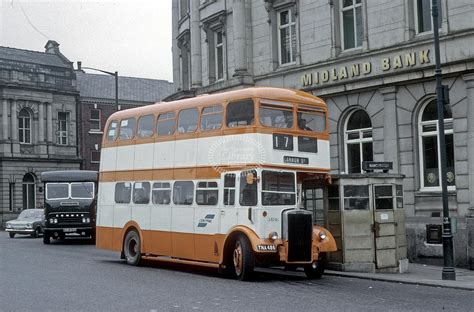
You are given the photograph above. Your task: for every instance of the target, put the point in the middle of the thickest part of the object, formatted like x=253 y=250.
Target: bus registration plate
x=296 y=160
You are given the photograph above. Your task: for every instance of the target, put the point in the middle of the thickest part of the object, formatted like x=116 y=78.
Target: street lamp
x=115 y=74
x=442 y=92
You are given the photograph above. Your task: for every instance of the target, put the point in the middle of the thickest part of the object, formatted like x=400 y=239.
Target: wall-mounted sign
x=377 y=165
x=340 y=73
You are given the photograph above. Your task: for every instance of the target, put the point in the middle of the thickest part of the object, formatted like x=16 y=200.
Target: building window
x=423 y=17
x=63 y=128
x=219 y=54
x=29 y=192
x=183 y=8
x=95 y=124
x=358 y=141
x=95 y=157
x=24 y=127
x=352 y=26
x=430 y=148
x=11 y=195
x=286 y=37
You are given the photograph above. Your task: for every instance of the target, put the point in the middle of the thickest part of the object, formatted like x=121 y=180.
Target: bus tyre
x=315 y=272
x=243 y=259
x=12 y=235
x=46 y=238
x=131 y=248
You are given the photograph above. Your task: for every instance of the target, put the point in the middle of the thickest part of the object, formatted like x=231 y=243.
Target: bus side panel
x=125 y=156
x=206 y=226
x=160 y=234
x=182 y=221
x=143 y=156
x=105 y=216
x=108 y=159
x=185 y=153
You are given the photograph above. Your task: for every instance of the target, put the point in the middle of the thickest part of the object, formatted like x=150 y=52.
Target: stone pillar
x=196 y=57
x=175 y=49
x=469 y=80
x=14 y=127
x=41 y=142
x=240 y=48
x=390 y=130
x=5 y=145
x=49 y=127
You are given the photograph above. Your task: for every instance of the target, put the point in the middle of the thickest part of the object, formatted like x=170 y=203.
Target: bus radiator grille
x=300 y=233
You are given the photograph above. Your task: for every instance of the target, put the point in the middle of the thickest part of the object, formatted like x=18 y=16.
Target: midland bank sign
x=340 y=73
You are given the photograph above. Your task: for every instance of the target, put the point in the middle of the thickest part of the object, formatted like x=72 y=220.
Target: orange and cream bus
x=216 y=180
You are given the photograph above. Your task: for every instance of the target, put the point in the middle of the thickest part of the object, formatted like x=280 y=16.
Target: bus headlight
x=273 y=235
x=322 y=235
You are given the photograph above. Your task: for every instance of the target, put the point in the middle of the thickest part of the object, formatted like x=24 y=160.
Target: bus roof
x=70 y=176
x=281 y=94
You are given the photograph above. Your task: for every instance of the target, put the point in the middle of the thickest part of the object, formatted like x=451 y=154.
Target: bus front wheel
x=131 y=248
x=243 y=259
x=315 y=271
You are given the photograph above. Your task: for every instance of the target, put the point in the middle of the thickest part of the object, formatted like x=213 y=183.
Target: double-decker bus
x=216 y=180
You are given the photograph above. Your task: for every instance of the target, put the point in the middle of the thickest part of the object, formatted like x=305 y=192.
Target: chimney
x=52 y=47
x=79 y=65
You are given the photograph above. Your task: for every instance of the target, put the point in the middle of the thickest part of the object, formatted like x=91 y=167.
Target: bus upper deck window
x=127 y=129
x=166 y=124
x=211 y=118
x=240 y=113
x=311 y=119
x=188 y=120
x=112 y=131
x=145 y=126
x=276 y=114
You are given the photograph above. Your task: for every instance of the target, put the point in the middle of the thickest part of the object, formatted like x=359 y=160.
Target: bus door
x=228 y=211
x=206 y=222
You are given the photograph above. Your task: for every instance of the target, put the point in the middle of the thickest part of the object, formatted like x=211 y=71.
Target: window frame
x=213 y=112
x=174 y=192
x=234 y=102
x=149 y=192
x=161 y=188
x=352 y=7
x=115 y=129
x=166 y=119
x=22 y=129
x=291 y=23
x=197 y=120
x=206 y=188
x=218 y=46
x=129 y=192
x=91 y=120
x=416 y=17
x=63 y=134
x=436 y=133
x=93 y=161
x=134 y=129
x=360 y=141
x=229 y=189
x=153 y=126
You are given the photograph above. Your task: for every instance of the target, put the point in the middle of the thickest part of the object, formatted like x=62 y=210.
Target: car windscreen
x=82 y=190
x=57 y=190
x=31 y=214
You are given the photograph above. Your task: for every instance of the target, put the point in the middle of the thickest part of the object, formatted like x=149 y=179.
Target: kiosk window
x=127 y=129
x=211 y=118
x=248 y=192
x=145 y=126
x=240 y=113
x=122 y=192
x=112 y=131
x=356 y=197
x=141 y=192
x=229 y=189
x=161 y=193
x=383 y=197
x=183 y=192
x=207 y=193
x=166 y=124
x=188 y=120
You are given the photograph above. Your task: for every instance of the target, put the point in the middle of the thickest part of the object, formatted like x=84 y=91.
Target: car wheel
x=36 y=233
x=243 y=259
x=46 y=238
x=317 y=271
x=131 y=248
x=12 y=235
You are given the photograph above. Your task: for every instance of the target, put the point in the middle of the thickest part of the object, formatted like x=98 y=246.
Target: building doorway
x=29 y=191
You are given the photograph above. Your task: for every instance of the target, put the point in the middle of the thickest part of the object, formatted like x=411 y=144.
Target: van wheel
x=46 y=238
x=131 y=248
x=315 y=272
x=12 y=235
x=243 y=259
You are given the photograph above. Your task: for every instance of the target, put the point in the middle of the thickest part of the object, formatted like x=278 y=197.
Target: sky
x=132 y=37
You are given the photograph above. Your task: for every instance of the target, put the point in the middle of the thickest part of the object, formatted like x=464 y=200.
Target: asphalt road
x=74 y=276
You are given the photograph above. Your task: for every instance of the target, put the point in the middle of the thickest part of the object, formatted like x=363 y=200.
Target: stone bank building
x=373 y=63
x=38 y=97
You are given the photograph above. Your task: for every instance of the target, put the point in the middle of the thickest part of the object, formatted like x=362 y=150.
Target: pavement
x=417 y=274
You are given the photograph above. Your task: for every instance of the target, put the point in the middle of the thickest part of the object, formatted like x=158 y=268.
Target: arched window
x=24 y=126
x=29 y=191
x=428 y=130
x=358 y=141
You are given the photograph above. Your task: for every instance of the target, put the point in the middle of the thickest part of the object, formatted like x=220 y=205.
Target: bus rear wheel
x=243 y=259
x=131 y=248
